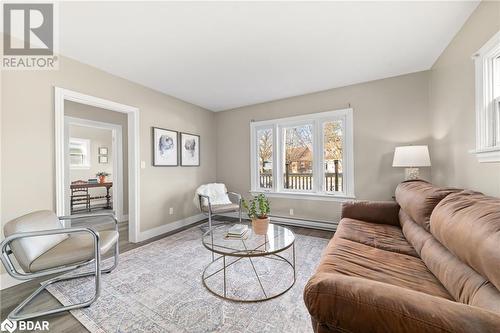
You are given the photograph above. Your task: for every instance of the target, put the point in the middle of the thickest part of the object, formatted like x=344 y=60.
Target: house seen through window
x=308 y=156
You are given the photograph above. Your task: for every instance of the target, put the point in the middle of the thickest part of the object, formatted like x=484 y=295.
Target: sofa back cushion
x=462 y=282
x=468 y=225
x=418 y=198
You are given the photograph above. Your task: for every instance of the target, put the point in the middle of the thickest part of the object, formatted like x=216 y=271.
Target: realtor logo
x=28 y=40
x=8 y=325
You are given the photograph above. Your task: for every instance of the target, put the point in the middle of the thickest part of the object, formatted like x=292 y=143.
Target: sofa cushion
x=418 y=199
x=468 y=225
x=382 y=236
x=461 y=281
x=343 y=256
x=340 y=303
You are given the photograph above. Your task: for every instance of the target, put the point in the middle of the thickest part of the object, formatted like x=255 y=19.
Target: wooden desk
x=107 y=185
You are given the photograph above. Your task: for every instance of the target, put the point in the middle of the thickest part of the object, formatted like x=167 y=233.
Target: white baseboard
x=7 y=281
x=297 y=222
x=145 y=235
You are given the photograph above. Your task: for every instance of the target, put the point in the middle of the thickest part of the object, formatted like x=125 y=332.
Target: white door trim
x=117 y=158
x=61 y=95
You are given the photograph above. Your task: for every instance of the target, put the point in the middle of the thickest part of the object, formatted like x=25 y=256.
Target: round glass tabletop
x=251 y=244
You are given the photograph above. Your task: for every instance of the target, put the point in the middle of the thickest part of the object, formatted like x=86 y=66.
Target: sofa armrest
x=385 y=212
x=343 y=303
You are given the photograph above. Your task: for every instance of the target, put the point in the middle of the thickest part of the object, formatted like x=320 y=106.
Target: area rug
x=158 y=288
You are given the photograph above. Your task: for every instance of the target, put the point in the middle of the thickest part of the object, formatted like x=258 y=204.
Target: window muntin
x=79 y=153
x=306 y=152
x=265 y=140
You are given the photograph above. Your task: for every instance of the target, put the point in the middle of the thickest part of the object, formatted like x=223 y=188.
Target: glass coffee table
x=253 y=268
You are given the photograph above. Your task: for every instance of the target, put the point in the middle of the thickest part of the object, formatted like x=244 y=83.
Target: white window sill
x=487 y=155
x=306 y=196
x=78 y=167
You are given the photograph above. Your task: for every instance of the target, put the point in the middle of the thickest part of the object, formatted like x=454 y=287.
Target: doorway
x=94 y=164
x=62 y=156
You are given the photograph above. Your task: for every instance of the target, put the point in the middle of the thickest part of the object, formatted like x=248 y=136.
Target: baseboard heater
x=305 y=223
x=298 y=222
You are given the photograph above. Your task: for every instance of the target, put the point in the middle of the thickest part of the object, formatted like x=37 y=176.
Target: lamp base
x=411 y=173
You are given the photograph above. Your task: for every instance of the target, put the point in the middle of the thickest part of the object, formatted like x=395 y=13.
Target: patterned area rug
x=158 y=288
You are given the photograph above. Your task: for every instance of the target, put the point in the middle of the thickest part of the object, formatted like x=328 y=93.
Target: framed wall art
x=165 y=147
x=190 y=149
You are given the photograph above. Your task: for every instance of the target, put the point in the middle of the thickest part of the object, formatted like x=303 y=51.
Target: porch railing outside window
x=303 y=181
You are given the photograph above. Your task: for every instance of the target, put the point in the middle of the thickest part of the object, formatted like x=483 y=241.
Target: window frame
x=317 y=120
x=86 y=158
x=487 y=122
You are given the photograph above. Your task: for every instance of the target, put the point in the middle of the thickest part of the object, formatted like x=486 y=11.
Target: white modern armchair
x=214 y=199
x=42 y=246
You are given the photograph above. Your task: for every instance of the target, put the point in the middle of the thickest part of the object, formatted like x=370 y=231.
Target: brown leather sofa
x=429 y=262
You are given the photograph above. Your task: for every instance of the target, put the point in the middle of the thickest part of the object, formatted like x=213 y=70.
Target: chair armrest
x=384 y=212
x=90 y=216
x=23 y=276
x=200 y=198
x=236 y=196
x=343 y=303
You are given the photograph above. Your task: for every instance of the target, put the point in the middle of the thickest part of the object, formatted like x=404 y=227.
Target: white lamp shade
x=411 y=157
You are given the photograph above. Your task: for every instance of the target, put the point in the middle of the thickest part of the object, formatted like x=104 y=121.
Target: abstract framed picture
x=165 y=147
x=190 y=149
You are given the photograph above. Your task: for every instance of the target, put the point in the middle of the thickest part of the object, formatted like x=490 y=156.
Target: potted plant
x=258 y=209
x=102 y=176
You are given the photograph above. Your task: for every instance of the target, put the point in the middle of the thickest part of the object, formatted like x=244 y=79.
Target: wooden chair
x=79 y=195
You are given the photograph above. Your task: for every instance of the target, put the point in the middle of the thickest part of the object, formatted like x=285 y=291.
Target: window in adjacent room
x=487 y=63
x=308 y=156
x=79 y=153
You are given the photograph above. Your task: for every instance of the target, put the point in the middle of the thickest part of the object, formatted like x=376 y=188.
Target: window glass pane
x=298 y=159
x=76 y=159
x=265 y=157
x=333 y=155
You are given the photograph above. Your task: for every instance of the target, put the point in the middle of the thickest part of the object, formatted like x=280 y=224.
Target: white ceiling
x=224 y=55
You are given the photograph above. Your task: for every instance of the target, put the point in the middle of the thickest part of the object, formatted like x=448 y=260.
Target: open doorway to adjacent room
x=95 y=161
x=97 y=157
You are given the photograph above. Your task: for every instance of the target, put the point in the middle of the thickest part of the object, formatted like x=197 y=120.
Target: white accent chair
x=42 y=246
x=214 y=199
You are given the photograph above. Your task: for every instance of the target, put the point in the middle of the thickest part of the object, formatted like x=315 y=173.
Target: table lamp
x=411 y=158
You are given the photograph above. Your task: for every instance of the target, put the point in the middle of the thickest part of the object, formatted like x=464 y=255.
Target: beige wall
x=387 y=113
x=82 y=111
x=98 y=138
x=451 y=96
x=28 y=140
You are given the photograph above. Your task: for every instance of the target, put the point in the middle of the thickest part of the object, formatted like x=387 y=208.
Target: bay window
x=308 y=156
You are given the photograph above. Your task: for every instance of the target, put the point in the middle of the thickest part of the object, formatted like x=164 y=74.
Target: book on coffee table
x=237 y=231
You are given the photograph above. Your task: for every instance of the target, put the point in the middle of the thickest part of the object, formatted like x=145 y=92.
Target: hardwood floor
x=65 y=322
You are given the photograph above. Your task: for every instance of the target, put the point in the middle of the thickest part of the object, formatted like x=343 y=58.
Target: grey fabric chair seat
x=218 y=209
x=74 y=249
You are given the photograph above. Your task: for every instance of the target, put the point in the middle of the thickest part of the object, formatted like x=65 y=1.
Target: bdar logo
x=8 y=325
